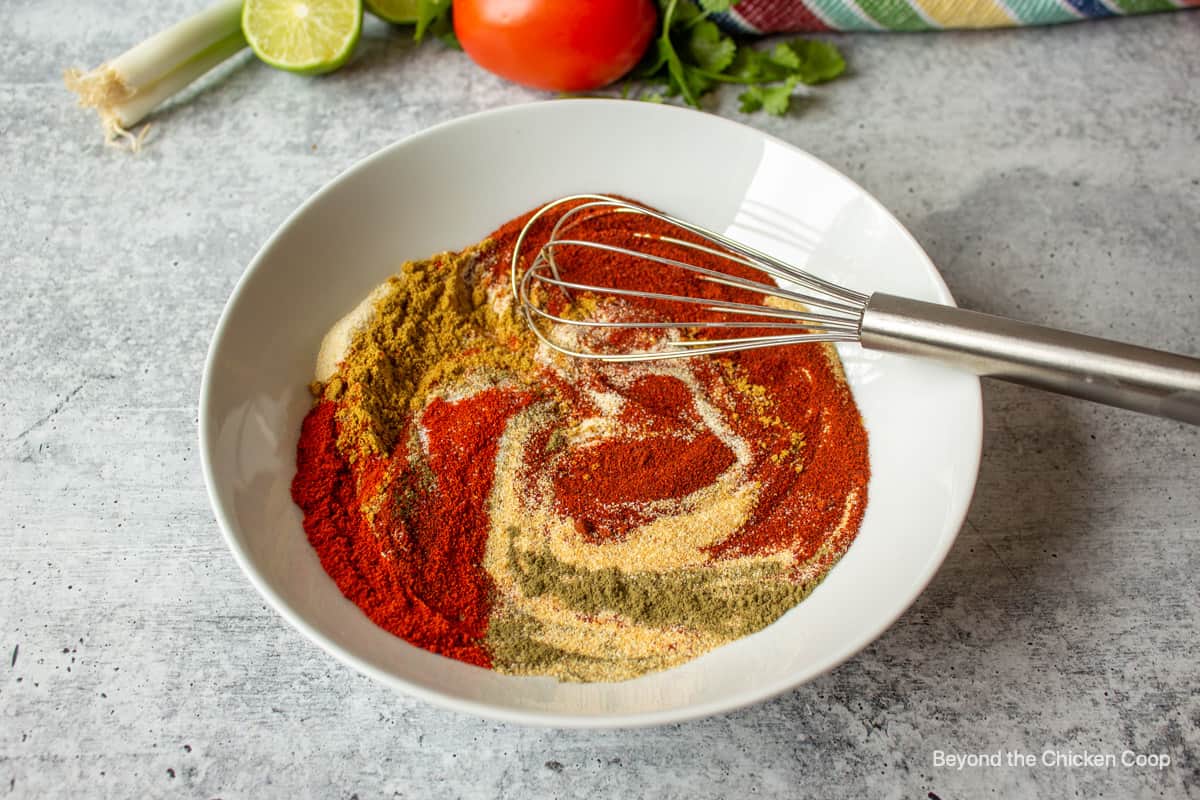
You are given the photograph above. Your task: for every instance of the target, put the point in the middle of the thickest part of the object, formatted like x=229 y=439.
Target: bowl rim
x=955 y=515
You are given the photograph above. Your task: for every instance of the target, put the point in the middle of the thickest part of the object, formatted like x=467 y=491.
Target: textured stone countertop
x=1052 y=174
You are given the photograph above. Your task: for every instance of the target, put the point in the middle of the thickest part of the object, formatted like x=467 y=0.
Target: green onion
x=124 y=90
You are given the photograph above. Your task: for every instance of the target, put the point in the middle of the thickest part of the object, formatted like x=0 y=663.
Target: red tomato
x=566 y=45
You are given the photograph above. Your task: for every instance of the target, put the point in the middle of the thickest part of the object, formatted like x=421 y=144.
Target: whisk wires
x=816 y=311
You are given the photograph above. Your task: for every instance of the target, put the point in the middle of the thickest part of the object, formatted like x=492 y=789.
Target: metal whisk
x=1123 y=375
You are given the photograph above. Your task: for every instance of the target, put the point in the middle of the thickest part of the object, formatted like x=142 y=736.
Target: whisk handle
x=1122 y=375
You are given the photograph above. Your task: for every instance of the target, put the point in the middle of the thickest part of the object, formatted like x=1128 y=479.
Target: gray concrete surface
x=1052 y=174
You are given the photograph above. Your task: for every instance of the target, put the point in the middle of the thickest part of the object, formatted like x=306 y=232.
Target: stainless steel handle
x=1104 y=371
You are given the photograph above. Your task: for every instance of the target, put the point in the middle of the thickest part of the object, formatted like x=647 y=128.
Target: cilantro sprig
x=692 y=56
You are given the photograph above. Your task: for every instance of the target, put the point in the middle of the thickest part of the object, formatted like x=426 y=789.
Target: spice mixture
x=485 y=498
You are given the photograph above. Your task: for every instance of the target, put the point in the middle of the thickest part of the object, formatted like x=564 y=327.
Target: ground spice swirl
x=487 y=499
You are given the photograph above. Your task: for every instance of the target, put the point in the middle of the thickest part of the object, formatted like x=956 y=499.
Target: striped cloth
x=775 y=16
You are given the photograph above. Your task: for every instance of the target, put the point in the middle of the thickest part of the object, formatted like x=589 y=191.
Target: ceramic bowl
x=447 y=187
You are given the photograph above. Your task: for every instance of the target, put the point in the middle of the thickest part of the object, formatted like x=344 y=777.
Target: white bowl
x=448 y=187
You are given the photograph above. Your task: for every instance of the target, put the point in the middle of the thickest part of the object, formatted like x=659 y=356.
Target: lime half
x=399 y=11
x=305 y=36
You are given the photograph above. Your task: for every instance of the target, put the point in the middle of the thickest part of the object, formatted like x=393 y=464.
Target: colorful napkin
x=773 y=16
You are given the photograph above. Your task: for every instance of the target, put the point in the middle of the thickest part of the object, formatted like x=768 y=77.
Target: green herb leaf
x=813 y=62
x=716 y=6
x=710 y=49
x=687 y=81
x=432 y=15
x=686 y=14
x=785 y=56
x=677 y=79
x=754 y=66
x=698 y=83
x=774 y=100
